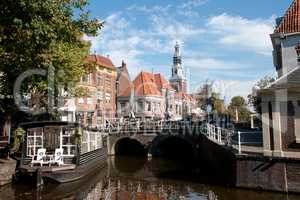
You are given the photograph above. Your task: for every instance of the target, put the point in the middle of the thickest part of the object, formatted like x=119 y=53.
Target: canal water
x=127 y=178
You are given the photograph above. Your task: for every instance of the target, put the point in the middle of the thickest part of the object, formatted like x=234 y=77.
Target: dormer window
x=297 y=48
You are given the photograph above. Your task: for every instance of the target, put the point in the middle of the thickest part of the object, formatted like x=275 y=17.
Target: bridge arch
x=175 y=147
x=128 y=146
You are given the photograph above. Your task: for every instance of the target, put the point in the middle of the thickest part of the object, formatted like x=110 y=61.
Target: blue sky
x=225 y=41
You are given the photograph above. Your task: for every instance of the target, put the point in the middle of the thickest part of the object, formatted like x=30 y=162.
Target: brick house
x=281 y=100
x=100 y=104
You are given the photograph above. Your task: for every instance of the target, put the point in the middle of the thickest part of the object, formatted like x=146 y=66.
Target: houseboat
x=61 y=151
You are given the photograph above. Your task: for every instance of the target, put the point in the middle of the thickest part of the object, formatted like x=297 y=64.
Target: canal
x=139 y=178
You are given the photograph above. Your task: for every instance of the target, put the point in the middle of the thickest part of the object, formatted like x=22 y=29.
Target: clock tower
x=178 y=80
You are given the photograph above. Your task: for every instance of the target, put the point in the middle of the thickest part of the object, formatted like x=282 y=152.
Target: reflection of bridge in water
x=141 y=179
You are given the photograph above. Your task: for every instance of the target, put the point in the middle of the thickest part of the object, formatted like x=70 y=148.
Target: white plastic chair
x=41 y=154
x=58 y=157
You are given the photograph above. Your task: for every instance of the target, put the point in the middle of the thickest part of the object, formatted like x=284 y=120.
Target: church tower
x=178 y=80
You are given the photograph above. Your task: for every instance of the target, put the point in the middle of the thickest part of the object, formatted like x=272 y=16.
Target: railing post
x=219 y=135
x=208 y=130
x=239 y=142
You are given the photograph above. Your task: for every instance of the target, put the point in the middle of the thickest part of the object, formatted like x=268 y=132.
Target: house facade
x=98 y=104
x=281 y=100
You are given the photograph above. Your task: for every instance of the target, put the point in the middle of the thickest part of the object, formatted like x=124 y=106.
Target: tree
x=206 y=96
x=253 y=99
x=41 y=34
x=238 y=104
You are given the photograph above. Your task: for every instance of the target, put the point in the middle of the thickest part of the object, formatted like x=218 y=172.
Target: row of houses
x=113 y=94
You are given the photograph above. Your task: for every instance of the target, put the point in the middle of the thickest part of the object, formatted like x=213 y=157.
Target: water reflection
x=135 y=178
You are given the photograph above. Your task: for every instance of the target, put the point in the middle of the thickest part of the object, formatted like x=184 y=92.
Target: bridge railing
x=241 y=140
x=146 y=127
x=218 y=134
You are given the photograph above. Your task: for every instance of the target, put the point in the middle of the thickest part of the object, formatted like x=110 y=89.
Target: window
x=140 y=106
x=86 y=78
x=90 y=100
x=123 y=107
x=68 y=142
x=34 y=141
x=80 y=100
x=80 y=117
x=148 y=104
x=90 y=118
x=99 y=95
x=107 y=98
x=108 y=82
x=99 y=79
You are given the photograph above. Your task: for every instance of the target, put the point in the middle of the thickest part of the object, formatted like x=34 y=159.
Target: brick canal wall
x=7 y=170
x=282 y=175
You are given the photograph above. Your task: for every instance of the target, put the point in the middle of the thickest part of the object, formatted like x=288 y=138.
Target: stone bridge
x=188 y=146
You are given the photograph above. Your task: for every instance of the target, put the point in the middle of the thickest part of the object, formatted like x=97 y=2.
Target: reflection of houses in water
x=125 y=189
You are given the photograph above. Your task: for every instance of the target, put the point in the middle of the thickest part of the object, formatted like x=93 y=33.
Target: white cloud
x=174 y=29
x=210 y=64
x=243 y=33
x=190 y=4
x=149 y=9
x=187 y=9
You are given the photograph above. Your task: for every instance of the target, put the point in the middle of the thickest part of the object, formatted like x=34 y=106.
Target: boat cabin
x=70 y=140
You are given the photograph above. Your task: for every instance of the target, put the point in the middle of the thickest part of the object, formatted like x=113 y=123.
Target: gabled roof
x=161 y=82
x=124 y=82
x=101 y=61
x=144 y=85
x=290 y=23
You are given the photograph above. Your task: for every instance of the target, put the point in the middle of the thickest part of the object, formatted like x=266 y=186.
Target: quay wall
x=7 y=170
x=273 y=174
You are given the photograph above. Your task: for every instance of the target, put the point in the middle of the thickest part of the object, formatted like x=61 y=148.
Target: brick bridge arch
x=216 y=159
x=144 y=140
x=154 y=149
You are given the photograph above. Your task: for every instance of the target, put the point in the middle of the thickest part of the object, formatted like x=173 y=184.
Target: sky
x=224 y=41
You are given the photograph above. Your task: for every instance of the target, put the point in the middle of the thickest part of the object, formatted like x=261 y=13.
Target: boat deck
x=65 y=167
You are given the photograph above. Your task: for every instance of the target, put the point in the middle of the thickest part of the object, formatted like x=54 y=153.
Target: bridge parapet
x=240 y=141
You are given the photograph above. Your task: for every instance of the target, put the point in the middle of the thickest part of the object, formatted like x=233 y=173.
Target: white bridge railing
x=219 y=135
x=223 y=136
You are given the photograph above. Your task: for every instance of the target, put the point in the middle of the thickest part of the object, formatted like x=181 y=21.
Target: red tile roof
x=161 y=82
x=185 y=96
x=125 y=84
x=101 y=61
x=291 y=20
x=144 y=85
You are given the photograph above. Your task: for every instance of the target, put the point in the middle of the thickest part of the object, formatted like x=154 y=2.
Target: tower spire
x=177 y=57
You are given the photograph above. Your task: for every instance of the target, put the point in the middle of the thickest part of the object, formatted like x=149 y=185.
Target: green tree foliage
x=253 y=99
x=239 y=104
x=38 y=34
